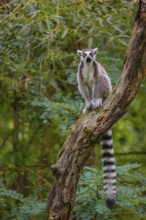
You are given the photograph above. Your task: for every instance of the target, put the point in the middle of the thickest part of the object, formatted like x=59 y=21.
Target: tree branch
x=90 y=127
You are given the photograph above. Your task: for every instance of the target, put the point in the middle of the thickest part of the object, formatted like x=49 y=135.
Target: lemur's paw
x=97 y=103
x=84 y=110
x=88 y=107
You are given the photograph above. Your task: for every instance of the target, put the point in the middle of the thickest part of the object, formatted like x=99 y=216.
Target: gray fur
x=93 y=81
x=95 y=85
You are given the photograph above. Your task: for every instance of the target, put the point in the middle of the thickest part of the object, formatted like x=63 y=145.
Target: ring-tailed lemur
x=95 y=85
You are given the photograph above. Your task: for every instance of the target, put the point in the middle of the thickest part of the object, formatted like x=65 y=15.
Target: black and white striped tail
x=109 y=169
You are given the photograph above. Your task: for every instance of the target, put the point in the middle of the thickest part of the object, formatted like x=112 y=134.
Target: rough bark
x=90 y=127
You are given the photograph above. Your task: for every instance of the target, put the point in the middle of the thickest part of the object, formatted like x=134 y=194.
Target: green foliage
x=89 y=203
x=38 y=90
x=131 y=197
x=38 y=43
x=22 y=208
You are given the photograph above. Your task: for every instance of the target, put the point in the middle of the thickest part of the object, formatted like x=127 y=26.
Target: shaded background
x=39 y=97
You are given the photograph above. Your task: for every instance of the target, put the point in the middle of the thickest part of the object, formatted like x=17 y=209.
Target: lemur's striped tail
x=109 y=169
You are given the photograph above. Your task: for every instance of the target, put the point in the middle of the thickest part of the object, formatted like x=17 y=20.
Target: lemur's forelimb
x=84 y=90
x=96 y=98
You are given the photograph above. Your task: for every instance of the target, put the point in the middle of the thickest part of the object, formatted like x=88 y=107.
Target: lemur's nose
x=88 y=59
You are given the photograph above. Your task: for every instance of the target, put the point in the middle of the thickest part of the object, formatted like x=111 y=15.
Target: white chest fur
x=88 y=74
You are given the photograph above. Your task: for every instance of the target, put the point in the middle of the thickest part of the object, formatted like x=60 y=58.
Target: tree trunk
x=19 y=183
x=90 y=127
x=93 y=158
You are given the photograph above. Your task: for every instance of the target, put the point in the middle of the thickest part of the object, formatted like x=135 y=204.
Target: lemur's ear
x=95 y=51
x=79 y=52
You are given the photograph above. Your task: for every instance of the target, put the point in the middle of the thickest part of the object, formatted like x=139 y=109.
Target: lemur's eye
x=84 y=55
x=91 y=54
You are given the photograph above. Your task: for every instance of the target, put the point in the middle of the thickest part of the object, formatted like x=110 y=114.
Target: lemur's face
x=87 y=55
